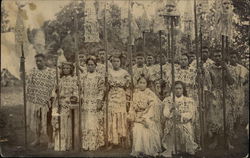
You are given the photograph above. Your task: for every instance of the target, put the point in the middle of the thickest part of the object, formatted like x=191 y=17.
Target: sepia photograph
x=125 y=78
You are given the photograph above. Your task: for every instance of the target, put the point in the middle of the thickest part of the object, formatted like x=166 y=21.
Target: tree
x=4 y=20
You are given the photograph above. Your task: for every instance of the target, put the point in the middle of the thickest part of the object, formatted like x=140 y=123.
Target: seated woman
x=182 y=112
x=145 y=115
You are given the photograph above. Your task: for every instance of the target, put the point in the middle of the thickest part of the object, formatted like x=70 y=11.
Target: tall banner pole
x=144 y=43
x=130 y=46
x=58 y=104
x=223 y=39
x=173 y=77
x=24 y=95
x=20 y=35
x=106 y=75
x=198 y=75
x=78 y=79
x=161 y=71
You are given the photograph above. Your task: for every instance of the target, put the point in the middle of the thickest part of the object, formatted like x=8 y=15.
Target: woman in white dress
x=182 y=111
x=145 y=115
x=92 y=114
x=119 y=80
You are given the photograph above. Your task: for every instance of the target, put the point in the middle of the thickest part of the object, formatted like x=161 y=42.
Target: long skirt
x=37 y=118
x=65 y=132
x=92 y=130
x=117 y=116
x=146 y=140
x=184 y=135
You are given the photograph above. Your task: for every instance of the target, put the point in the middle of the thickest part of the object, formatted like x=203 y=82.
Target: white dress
x=145 y=111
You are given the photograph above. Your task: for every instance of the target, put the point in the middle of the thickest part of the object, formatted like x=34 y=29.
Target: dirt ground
x=12 y=128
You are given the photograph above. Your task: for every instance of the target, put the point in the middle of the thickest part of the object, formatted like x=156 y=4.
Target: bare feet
x=230 y=146
x=35 y=143
x=50 y=145
x=110 y=147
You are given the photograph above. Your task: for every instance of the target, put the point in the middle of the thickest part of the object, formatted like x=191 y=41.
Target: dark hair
x=118 y=56
x=92 y=59
x=40 y=55
x=204 y=47
x=71 y=72
x=184 y=54
x=100 y=50
x=140 y=54
x=217 y=51
x=141 y=77
x=183 y=86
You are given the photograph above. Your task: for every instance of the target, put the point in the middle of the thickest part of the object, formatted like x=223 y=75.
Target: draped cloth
x=92 y=118
x=91 y=27
x=145 y=112
x=67 y=89
x=40 y=84
x=184 y=129
x=117 y=114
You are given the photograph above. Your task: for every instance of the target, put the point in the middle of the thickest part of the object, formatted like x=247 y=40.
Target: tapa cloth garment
x=237 y=90
x=92 y=119
x=184 y=128
x=40 y=84
x=117 y=115
x=67 y=88
x=91 y=24
x=215 y=99
x=146 y=111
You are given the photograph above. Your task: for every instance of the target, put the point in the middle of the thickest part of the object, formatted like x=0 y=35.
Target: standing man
x=140 y=68
x=215 y=110
x=101 y=62
x=40 y=84
x=237 y=90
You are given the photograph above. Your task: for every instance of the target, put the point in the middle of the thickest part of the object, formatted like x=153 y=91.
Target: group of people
x=146 y=111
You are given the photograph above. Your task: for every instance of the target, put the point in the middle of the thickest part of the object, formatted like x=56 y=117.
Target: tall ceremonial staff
x=20 y=35
x=58 y=103
x=171 y=17
x=106 y=72
x=130 y=47
x=199 y=66
x=78 y=77
x=224 y=24
x=161 y=70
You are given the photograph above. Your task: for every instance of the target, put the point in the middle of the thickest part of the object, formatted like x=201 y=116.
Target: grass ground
x=12 y=128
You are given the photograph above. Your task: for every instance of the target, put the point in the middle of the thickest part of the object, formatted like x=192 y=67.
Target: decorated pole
x=106 y=73
x=223 y=39
x=161 y=70
x=198 y=66
x=24 y=96
x=130 y=46
x=171 y=17
x=224 y=26
x=144 y=43
x=58 y=103
x=78 y=78
x=20 y=35
x=173 y=77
